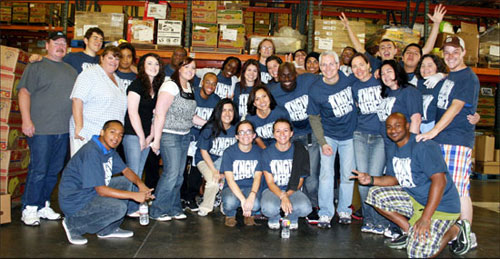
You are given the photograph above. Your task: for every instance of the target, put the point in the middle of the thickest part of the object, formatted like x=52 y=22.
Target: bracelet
x=371 y=180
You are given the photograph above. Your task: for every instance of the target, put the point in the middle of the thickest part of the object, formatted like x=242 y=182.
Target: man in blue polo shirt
x=93 y=201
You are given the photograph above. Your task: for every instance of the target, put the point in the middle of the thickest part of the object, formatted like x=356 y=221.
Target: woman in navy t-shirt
x=250 y=77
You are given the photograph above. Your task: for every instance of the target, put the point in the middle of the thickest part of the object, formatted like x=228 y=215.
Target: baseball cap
x=454 y=41
x=57 y=35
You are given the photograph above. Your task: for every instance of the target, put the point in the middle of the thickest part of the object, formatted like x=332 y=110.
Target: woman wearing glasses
x=242 y=168
x=174 y=117
x=264 y=50
x=215 y=137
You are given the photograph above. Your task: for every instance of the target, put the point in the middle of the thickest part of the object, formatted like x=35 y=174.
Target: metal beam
x=426 y=21
x=187 y=32
x=310 y=27
x=415 y=13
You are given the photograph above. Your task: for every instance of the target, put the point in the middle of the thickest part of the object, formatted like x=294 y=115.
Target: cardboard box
x=5 y=208
x=331 y=35
x=13 y=60
x=282 y=44
x=169 y=33
x=229 y=16
x=204 y=6
x=205 y=35
x=470 y=35
x=204 y=16
x=8 y=84
x=14 y=162
x=112 y=24
x=5 y=12
x=231 y=36
x=140 y=31
x=485 y=148
x=9 y=111
x=492 y=167
x=13 y=185
x=12 y=137
x=497 y=155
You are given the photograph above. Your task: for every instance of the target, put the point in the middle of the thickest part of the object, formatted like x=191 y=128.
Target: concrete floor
x=208 y=237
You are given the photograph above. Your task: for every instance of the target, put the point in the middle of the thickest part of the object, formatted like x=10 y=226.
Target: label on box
x=86 y=27
x=495 y=50
x=157 y=11
x=169 y=26
x=326 y=44
x=171 y=41
x=116 y=19
x=229 y=34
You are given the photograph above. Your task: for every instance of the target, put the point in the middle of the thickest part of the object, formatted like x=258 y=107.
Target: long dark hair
x=243 y=82
x=399 y=72
x=215 y=121
x=232 y=58
x=157 y=80
x=441 y=68
x=252 y=110
x=175 y=75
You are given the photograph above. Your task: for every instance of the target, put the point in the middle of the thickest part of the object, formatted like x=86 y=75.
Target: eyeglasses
x=266 y=48
x=245 y=132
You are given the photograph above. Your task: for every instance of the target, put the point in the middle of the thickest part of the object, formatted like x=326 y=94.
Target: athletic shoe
x=222 y=209
x=183 y=205
x=344 y=218
x=192 y=206
x=260 y=216
x=73 y=238
x=180 y=216
x=202 y=213
x=324 y=222
x=463 y=243
x=357 y=215
x=48 y=213
x=30 y=216
x=162 y=218
x=118 y=233
x=230 y=221
x=392 y=233
x=273 y=225
x=367 y=228
x=399 y=243
x=218 y=199
x=134 y=214
x=294 y=226
x=313 y=217
x=378 y=230
x=473 y=241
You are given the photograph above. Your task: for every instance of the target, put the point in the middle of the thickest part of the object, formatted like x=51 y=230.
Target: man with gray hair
x=332 y=115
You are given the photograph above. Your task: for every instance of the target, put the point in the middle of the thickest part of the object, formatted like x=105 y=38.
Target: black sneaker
x=399 y=243
x=462 y=244
x=313 y=217
x=192 y=206
x=184 y=205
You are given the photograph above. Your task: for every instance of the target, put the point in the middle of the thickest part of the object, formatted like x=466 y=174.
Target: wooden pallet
x=216 y=50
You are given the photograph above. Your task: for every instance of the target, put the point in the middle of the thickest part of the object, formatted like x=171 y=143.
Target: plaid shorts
x=459 y=161
x=395 y=199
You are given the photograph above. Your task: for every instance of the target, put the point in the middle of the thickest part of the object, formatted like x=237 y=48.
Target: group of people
x=268 y=131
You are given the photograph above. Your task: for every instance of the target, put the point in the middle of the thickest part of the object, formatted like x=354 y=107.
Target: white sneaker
x=48 y=213
x=473 y=240
x=273 y=225
x=162 y=218
x=134 y=214
x=294 y=226
x=202 y=213
x=180 y=216
x=30 y=216
x=118 y=233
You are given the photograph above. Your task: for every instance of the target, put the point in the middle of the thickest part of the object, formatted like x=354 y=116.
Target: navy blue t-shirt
x=224 y=87
x=204 y=109
x=413 y=165
x=375 y=63
x=367 y=97
x=214 y=146
x=264 y=127
x=240 y=98
x=264 y=74
x=272 y=84
x=126 y=78
x=462 y=85
x=429 y=100
x=80 y=61
x=407 y=101
x=412 y=79
x=169 y=70
x=243 y=165
x=92 y=166
x=296 y=102
x=279 y=164
x=335 y=105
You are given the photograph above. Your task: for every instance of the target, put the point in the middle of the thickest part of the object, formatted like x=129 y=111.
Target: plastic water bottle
x=144 y=214
x=285 y=227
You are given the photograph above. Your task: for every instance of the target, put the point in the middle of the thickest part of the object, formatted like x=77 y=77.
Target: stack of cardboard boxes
x=20 y=12
x=487 y=159
x=39 y=13
x=486 y=106
x=14 y=153
x=231 y=29
x=331 y=35
x=112 y=24
x=205 y=29
x=5 y=12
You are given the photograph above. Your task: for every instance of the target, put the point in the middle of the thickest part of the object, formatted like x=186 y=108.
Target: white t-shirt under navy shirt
x=367 y=97
x=92 y=166
x=242 y=165
x=414 y=164
x=264 y=126
x=296 y=101
x=80 y=61
x=462 y=85
x=126 y=78
x=335 y=105
x=214 y=146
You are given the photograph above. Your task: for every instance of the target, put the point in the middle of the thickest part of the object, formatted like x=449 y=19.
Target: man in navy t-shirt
x=456 y=99
x=332 y=115
x=93 y=201
x=417 y=187
x=93 y=40
x=178 y=55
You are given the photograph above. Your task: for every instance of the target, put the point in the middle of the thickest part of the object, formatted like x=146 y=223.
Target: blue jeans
x=230 y=202
x=271 y=205
x=47 y=154
x=102 y=215
x=370 y=158
x=173 y=149
x=135 y=161
x=325 y=190
x=311 y=182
